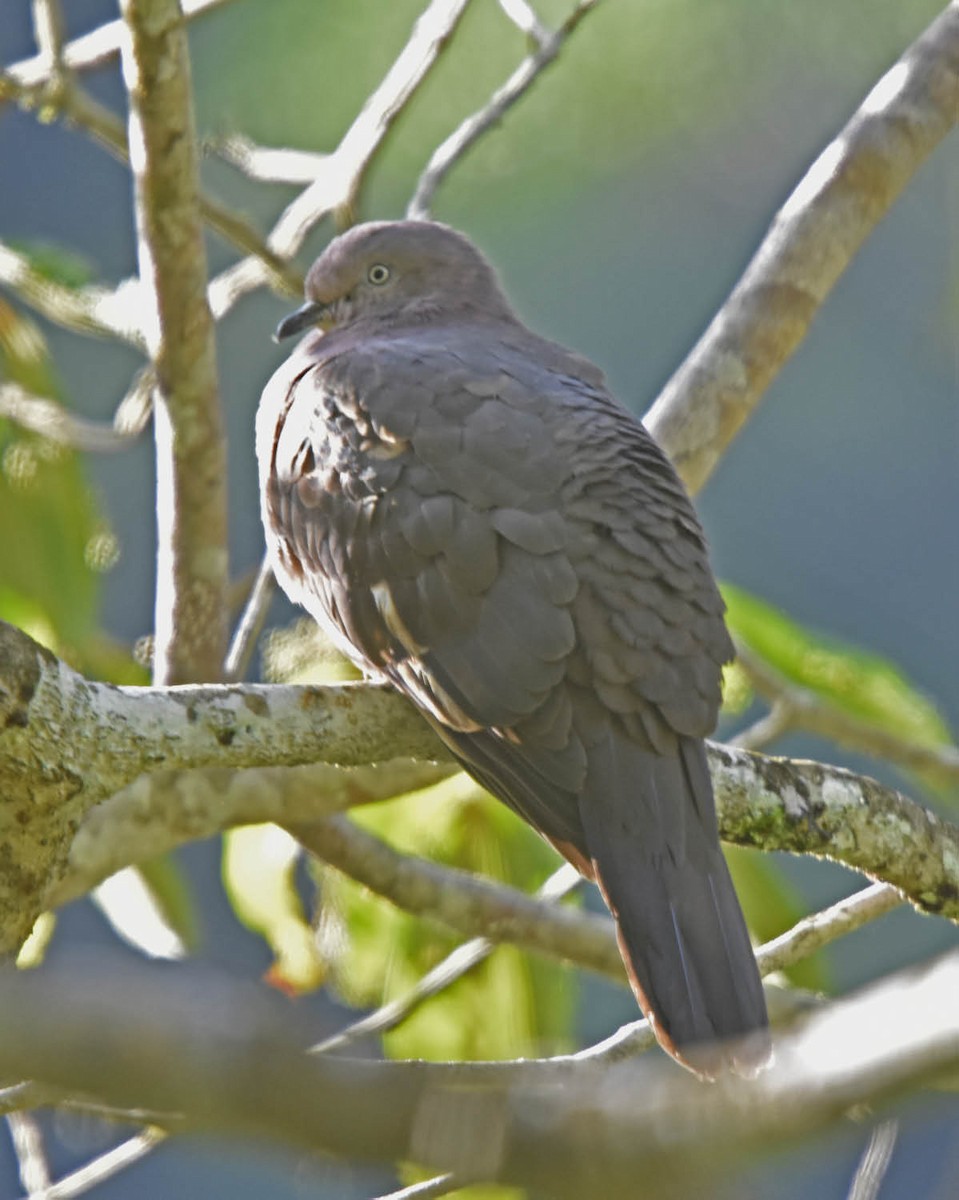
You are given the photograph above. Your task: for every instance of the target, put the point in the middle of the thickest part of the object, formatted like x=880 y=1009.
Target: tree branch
x=232 y=1060
x=453 y=149
x=337 y=186
x=66 y=744
x=841 y=199
x=92 y=49
x=803 y=709
x=192 y=568
x=51 y=420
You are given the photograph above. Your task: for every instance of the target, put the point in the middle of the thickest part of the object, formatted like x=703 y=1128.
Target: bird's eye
x=378 y=273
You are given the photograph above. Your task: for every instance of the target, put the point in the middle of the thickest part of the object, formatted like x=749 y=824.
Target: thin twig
x=51 y=420
x=453 y=967
x=79 y=108
x=811 y=712
x=269 y=164
x=524 y=17
x=336 y=189
x=251 y=623
x=48 y=33
x=453 y=149
x=101 y=1168
x=96 y=311
x=92 y=49
x=461 y=901
x=777 y=722
x=192 y=568
x=875 y=1161
x=428 y=1189
x=31 y=1157
x=820 y=928
x=837 y=204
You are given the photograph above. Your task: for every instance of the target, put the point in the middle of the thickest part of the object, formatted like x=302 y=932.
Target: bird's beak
x=310 y=313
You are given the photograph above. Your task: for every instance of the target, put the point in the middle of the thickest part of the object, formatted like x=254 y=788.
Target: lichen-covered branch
x=191 y=607
x=233 y=1061
x=67 y=744
x=841 y=199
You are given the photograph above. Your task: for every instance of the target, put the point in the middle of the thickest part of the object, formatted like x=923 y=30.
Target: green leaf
x=170 y=888
x=54 y=543
x=140 y=913
x=860 y=683
x=512 y=1004
x=57 y=263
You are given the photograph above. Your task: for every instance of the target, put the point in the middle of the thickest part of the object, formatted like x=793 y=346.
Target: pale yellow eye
x=378 y=273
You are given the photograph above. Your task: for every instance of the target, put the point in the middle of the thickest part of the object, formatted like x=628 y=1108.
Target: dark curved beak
x=306 y=315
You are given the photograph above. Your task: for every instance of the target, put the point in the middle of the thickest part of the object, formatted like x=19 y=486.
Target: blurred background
x=621 y=199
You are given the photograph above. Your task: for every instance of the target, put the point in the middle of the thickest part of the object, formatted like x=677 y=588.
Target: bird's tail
x=650 y=828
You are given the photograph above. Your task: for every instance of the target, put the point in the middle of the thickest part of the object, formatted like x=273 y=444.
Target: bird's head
x=396 y=270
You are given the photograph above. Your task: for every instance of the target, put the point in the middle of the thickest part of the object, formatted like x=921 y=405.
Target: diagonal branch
x=841 y=199
x=191 y=604
x=93 y=49
x=337 y=187
x=453 y=149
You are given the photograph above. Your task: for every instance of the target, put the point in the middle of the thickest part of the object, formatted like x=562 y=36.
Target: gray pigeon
x=469 y=514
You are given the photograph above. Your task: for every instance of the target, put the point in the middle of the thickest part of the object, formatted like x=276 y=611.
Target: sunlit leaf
x=48 y=515
x=513 y=1003
x=170 y=889
x=259 y=864
x=137 y=915
x=854 y=680
x=34 y=949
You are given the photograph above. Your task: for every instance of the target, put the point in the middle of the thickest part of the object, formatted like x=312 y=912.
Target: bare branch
x=336 y=189
x=93 y=49
x=78 y=108
x=251 y=623
x=28 y=1148
x=439 y=1185
x=101 y=1168
x=96 y=311
x=460 y=901
x=524 y=17
x=48 y=32
x=270 y=165
x=51 y=420
x=841 y=199
x=192 y=567
x=875 y=1161
x=232 y=1060
x=819 y=929
x=449 y=152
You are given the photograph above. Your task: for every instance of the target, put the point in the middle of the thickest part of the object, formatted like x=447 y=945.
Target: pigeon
x=470 y=515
